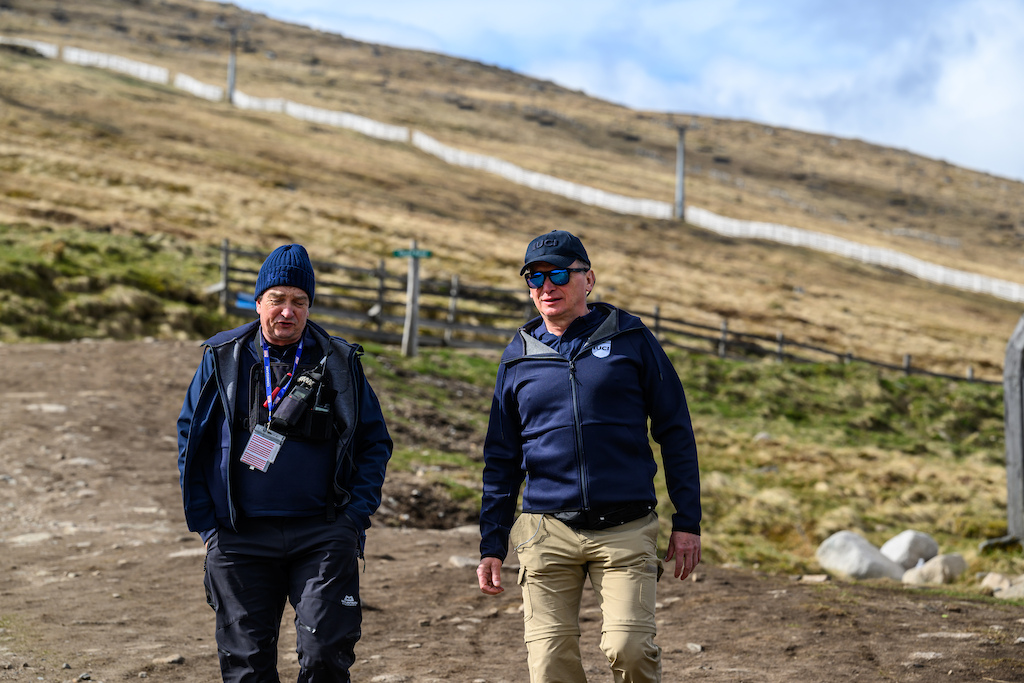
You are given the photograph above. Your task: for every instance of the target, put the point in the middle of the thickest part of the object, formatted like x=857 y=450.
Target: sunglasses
x=559 y=277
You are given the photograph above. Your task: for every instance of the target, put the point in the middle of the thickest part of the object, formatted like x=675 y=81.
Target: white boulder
x=906 y=548
x=850 y=555
x=995 y=582
x=938 y=570
x=1012 y=593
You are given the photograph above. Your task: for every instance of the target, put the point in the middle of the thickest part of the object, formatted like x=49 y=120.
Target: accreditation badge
x=262 y=449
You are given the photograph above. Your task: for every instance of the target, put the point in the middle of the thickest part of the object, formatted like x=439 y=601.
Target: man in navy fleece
x=575 y=389
x=282 y=449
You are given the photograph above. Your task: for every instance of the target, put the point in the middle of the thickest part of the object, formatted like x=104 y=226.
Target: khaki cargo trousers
x=622 y=563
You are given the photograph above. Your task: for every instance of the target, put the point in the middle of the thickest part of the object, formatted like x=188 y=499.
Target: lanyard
x=268 y=381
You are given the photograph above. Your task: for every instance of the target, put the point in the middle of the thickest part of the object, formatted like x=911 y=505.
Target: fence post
x=225 y=266
x=780 y=353
x=906 y=364
x=453 y=302
x=723 y=343
x=680 y=208
x=412 y=306
x=970 y=373
x=380 y=294
x=657 y=321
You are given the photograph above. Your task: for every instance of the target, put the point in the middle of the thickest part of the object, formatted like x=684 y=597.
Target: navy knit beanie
x=289 y=266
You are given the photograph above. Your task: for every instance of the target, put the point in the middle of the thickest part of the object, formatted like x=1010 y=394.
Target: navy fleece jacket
x=572 y=422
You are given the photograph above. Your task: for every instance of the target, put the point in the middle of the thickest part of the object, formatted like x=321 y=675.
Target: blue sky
x=942 y=78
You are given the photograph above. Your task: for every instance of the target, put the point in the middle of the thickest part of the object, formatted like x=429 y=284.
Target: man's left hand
x=685 y=548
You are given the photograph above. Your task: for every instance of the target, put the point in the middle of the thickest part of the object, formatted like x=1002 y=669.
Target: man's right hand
x=488 y=573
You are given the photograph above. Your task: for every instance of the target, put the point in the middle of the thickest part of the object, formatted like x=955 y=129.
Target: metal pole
x=1013 y=380
x=412 y=306
x=231 y=66
x=680 y=210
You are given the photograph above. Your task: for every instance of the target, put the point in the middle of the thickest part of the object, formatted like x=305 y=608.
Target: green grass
x=793 y=453
x=458 y=473
x=476 y=368
x=15 y=632
x=61 y=284
x=848 y=405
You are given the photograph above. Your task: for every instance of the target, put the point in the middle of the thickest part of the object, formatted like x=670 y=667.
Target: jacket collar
x=614 y=322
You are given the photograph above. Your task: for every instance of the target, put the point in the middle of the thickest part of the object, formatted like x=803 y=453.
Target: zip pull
x=572 y=372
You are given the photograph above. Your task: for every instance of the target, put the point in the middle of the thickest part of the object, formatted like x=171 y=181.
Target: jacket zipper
x=577 y=422
x=578 y=430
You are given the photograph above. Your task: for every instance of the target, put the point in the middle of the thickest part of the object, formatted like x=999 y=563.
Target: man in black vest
x=282 y=449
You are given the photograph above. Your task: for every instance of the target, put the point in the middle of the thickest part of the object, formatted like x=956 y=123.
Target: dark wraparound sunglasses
x=559 y=277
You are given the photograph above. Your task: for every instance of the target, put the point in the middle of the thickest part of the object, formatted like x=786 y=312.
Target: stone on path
x=852 y=556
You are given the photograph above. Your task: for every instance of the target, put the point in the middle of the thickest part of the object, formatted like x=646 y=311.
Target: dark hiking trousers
x=309 y=561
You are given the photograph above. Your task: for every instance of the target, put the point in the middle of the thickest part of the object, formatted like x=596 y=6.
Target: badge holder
x=262 y=449
x=264 y=443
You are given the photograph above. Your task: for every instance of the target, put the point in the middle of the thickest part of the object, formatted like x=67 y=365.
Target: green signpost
x=412 y=297
x=412 y=253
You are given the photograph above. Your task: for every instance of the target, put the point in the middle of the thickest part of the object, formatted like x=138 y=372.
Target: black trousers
x=309 y=561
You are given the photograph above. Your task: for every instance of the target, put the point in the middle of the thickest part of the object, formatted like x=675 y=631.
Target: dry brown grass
x=89 y=148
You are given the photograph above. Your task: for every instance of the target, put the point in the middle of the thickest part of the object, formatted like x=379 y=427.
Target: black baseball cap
x=558 y=247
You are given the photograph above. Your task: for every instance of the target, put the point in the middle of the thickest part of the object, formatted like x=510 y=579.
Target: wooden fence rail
x=369 y=304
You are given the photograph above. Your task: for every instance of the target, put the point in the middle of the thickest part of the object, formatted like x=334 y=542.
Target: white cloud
x=944 y=78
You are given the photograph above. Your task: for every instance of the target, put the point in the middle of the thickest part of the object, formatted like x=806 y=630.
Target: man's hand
x=488 y=573
x=686 y=549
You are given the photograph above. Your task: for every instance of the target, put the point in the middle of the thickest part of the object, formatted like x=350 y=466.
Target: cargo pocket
x=648 y=587
x=209 y=591
x=211 y=546
x=524 y=586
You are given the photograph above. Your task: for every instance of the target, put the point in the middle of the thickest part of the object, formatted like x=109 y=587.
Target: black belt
x=605 y=518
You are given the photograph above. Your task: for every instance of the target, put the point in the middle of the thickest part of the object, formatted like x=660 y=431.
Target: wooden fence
x=369 y=304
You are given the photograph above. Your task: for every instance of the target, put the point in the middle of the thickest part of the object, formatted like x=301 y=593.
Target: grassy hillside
x=114 y=194
x=93 y=150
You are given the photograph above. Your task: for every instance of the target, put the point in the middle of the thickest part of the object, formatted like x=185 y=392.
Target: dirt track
x=99 y=573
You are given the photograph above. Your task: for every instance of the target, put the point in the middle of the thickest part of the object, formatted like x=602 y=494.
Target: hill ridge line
x=622 y=204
